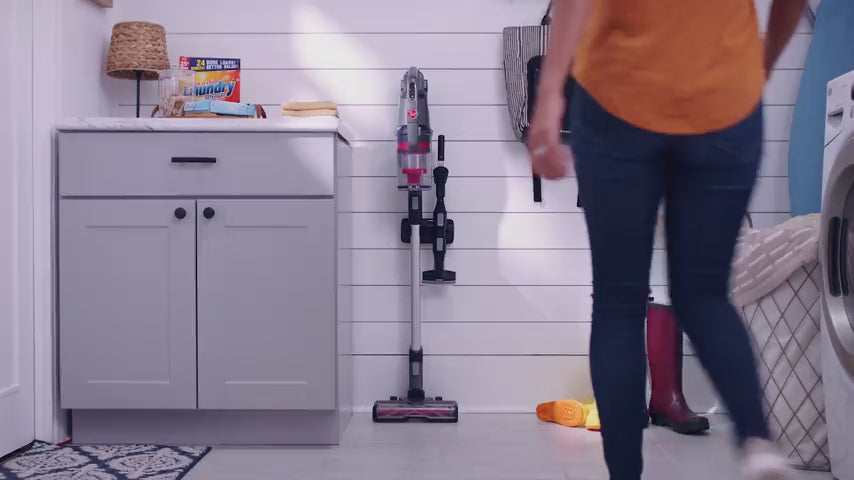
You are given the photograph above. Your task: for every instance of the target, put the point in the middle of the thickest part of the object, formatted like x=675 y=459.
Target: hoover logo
x=413 y=114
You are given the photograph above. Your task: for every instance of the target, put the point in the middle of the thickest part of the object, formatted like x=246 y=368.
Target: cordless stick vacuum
x=414 y=141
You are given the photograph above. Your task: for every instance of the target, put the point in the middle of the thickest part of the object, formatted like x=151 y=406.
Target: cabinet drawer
x=198 y=164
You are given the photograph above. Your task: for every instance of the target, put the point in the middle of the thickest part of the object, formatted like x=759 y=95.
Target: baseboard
x=206 y=427
x=361 y=410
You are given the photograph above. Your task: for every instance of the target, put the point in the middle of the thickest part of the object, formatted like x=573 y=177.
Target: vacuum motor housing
x=414 y=135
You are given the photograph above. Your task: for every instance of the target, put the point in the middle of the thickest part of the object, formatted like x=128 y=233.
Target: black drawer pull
x=193 y=159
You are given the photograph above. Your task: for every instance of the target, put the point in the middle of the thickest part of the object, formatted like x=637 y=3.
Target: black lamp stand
x=138 y=82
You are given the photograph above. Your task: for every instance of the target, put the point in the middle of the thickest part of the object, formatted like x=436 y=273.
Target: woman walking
x=667 y=107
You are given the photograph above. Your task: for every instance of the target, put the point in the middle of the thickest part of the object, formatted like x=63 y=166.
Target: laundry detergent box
x=216 y=78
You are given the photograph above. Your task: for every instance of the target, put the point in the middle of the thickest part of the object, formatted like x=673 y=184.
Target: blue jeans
x=705 y=181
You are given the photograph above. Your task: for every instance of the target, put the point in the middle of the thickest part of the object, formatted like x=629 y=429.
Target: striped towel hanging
x=520 y=45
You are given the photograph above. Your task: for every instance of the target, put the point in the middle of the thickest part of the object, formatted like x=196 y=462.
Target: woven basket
x=785 y=327
x=137 y=47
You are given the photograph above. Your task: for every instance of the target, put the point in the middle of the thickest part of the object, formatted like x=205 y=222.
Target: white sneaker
x=761 y=460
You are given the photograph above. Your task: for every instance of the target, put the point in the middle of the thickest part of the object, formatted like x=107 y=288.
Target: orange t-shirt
x=673 y=66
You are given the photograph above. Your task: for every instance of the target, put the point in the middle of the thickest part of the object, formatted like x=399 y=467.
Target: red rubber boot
x=667 y=405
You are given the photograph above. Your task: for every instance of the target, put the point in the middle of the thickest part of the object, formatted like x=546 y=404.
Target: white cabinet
x=199 y=286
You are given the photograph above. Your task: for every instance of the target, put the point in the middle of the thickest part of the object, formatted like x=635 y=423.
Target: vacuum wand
x=415 y=308
x=416 y=353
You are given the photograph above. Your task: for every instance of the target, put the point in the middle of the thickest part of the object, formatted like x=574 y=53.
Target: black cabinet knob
x=180 y=213
x=209 y=212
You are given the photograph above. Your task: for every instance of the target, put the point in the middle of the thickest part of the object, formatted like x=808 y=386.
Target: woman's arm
x=549 y=158
x=568 y=21
x=784 y=19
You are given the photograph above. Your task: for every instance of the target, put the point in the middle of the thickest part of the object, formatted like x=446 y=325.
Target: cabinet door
x=127 y=319
x=266 y=304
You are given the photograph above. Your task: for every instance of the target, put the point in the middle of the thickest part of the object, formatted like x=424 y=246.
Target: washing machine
x=837 y=260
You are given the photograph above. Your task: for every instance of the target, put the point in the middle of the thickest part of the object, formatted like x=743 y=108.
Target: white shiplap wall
x=82 y=50
x=514 y=330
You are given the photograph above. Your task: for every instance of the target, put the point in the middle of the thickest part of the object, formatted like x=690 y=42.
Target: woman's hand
x=550 y=158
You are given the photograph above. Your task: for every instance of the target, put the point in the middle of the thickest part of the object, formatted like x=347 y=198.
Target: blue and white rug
x=44 y=461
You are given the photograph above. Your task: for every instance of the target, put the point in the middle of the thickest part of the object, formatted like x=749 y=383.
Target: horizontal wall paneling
x=514 y=331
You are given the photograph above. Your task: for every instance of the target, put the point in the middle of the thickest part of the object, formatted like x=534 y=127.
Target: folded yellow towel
x=299 y=106
x=309 y=113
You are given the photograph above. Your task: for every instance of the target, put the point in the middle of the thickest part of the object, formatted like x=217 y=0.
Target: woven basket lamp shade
x=137 y=52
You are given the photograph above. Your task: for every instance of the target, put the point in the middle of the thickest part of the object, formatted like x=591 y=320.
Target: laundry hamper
x=784 y=324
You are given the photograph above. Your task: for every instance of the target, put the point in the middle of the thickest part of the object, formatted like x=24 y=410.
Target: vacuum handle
x=412 y=111
x=441 y=149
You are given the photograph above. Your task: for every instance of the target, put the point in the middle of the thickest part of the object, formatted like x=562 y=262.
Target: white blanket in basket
x=766 y=258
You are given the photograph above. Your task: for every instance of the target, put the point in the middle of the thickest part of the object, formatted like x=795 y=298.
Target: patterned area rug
x=102 y=462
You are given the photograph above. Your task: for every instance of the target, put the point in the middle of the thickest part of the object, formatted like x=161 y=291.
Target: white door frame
x=48 y=57
x=51 y=422
x=17 y=396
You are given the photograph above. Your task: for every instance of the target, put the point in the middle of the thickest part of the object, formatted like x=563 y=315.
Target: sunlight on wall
x=517 y=233
x=311 y=50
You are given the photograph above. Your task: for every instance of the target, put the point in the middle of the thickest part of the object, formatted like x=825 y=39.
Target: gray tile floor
x=488 y=447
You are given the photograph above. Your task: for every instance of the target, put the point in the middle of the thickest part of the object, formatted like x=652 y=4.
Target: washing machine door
x=837 y=253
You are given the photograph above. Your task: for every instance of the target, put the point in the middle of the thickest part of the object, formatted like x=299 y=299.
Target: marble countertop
x=121 y=124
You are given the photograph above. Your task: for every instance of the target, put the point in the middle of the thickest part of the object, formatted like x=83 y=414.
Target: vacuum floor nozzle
x=432 y=410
